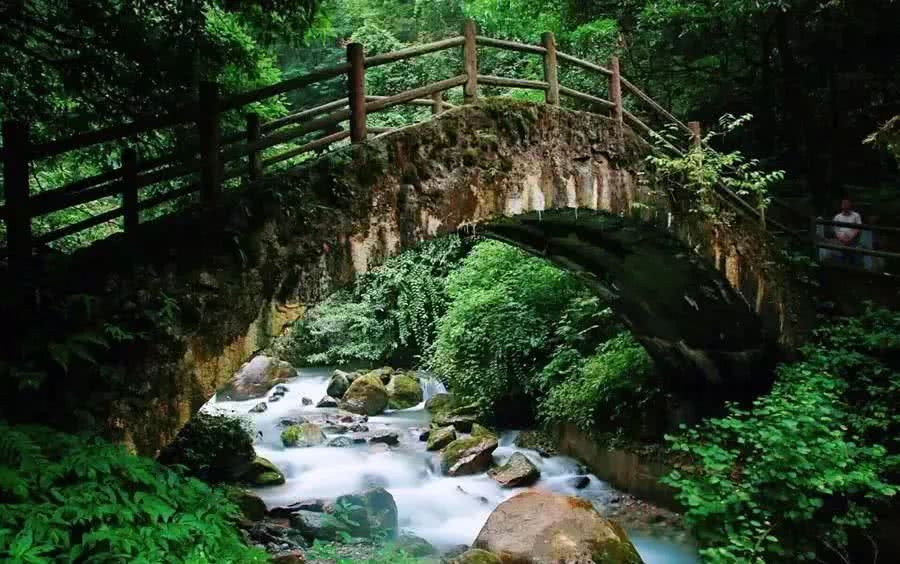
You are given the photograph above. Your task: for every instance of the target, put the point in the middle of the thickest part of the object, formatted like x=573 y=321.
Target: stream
x=445 y=511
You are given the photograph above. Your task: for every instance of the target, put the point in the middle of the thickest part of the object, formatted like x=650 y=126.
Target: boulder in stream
x=578 y=482
x=337 y=384
x=305 y=401
x=387 y=437
x=340 y=442
x=468 y=455
x=374 y=511
x=303 y=435
x=439 y=438
x=255 y=378
x=437 y=402
x=251 y=505
x=213 y=447
x=259 y=408
x=327 y=401
x=366 y=396
x=414 y=546
x=537 y=526
x=263 y=473
x=384 y=374
x=404 y=391
x=517 y=472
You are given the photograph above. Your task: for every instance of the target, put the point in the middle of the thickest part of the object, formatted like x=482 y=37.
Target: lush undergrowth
x=66 y=498
x=501 y=328
x=796 y=476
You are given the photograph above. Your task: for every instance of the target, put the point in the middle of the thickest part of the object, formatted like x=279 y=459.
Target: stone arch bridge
x=708 y=300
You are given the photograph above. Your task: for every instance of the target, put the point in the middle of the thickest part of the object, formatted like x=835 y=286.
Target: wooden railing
x=841 y=252
x=217 y=158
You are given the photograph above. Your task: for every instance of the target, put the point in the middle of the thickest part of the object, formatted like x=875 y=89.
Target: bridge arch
x=561 y=184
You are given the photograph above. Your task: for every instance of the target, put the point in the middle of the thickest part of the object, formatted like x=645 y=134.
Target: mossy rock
x=404 y=392
x=213 y=447
x=469 y=455
x=439 y=402
x=439 y=438
x=263 y=473
x=482 y=431
x=251 y=506
x=303 y=435
x=367 y=395
x=477 y=556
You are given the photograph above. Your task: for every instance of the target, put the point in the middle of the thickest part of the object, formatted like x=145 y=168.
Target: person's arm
x=853 y=234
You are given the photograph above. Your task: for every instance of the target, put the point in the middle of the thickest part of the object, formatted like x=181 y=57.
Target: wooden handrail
x=483 y=41
x=582 y=63
x=219 y=152
x=858 y=250
x=410 y=52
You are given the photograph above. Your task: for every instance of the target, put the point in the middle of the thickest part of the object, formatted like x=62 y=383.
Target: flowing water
x=445 y=511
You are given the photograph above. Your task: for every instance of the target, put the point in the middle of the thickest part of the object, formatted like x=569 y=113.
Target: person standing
x=846 y=235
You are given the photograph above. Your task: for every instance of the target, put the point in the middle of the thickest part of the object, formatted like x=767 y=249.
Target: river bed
x=446 y=511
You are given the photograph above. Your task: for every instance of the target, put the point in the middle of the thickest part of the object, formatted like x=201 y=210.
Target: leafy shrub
x=609 y=387
x=389 y=312
x=70 y=498
x=212 y=447
x=792 y=477
x=502 y=323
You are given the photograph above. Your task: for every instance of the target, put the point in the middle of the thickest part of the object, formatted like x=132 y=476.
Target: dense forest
x=810 y=93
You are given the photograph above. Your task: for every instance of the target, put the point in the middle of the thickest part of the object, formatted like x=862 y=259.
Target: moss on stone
x=404 y=392
x=478 y=556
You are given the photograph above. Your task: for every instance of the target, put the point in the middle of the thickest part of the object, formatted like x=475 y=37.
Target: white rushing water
x=445 y=511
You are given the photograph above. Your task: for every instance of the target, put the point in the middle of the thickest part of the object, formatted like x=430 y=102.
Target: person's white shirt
x=847 y=233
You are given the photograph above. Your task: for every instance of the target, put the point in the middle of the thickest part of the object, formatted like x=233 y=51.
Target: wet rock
x=462 y=417
x=374 y=481
x=275 y=398
x=439 y=438
x=374 y=511
x=437 y=402
x=337 y=384
x=358 y=438
x=305 y=401
x=358 y=428
x=477 y=556
x=336 y=429
x=252 y=506
x=303 y=435
x=255 y=378
x=578 y=482
x=469 y=455
x=288 y=421
x=424 y=434
x=537 y=526
x=384 y=374
x=414 y=546
x=327 y=401
x=263 y=473
x=537 y=440
x=314 y=505
x=213 y=447
x=404 y=391
x=275 y=536
x=281 y=389
x=366 y=395
x=386 y=437
x=259 y=408
x=314 y=525
x=482 y=431
x=340 y=442
x=517 y=472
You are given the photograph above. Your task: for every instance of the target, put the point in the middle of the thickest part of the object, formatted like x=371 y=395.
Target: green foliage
x=503 y=323
x=68 y=498
x=699 y=171
x=391 y=310
x=383 y=554
x=211 y=447
x=606 y=389
x=792 y=477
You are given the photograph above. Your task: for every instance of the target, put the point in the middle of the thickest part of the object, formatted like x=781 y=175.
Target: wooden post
x=16 y=154
x=130 y=214
x=210 y=132
x=696 y=136
x=551 y=95
x=615 y=91
x=470 y=63
x=356 y=81
x=437 y=103
x=254 y=159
